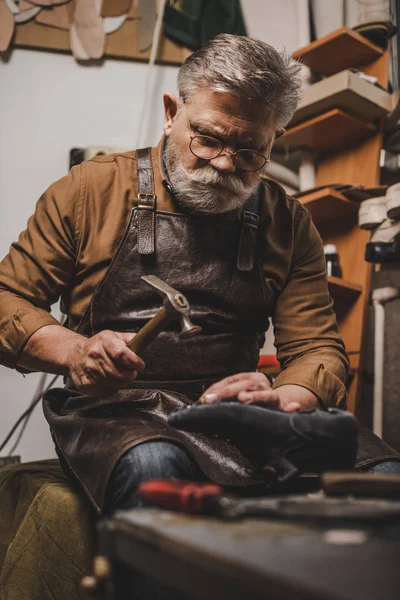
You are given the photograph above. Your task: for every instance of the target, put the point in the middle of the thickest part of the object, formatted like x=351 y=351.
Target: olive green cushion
x=47 y=534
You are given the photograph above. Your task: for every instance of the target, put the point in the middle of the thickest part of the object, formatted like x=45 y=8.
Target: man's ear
x=279 y=133
x=170 y=110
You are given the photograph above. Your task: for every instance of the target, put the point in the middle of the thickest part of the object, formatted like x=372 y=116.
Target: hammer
x=175 y=307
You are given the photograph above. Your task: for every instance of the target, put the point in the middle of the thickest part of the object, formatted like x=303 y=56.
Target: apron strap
x=248 y=235
x=146 y=202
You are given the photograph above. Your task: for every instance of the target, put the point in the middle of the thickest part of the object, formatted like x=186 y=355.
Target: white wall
x=274 y=22
x=49 y=104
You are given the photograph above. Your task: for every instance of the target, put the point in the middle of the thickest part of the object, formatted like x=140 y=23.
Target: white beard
x=205 y=190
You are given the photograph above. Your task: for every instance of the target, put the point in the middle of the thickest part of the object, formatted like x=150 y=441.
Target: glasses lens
x=249 y=160
x=204 y=146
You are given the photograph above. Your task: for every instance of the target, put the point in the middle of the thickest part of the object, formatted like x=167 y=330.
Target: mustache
x=205 y=190
x=209 y=177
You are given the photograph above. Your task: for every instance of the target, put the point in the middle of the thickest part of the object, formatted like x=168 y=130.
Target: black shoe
x=311 y=441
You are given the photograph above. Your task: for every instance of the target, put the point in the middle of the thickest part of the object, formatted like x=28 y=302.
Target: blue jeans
x=149 y=460
x=391 y=467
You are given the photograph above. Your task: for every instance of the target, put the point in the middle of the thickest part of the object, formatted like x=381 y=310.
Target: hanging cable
x=38 y=392
x=26 y=413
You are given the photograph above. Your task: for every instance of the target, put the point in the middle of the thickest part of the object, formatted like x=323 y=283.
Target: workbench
x=214 y=559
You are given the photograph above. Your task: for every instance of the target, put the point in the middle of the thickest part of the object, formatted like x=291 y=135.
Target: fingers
x=248 y=388
x=88 y=385
x=292 y=407
x=259 y=378
x=234 y=385
x=117 y=350
x=105 y=364
x=270 y=397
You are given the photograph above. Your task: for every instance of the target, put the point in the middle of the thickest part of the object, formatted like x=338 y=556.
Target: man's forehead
x=222 y=110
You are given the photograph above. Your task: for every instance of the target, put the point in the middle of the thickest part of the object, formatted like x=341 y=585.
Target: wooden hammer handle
x=367 y=485
x=150 y=331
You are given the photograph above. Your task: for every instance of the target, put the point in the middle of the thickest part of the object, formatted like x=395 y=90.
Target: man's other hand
x=249 y=388
x=103 y=364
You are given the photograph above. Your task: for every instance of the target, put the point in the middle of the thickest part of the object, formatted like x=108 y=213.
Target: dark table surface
x=257 y=558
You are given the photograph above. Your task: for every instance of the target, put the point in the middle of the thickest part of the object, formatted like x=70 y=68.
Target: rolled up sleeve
x=39 y=266
x=309 y=346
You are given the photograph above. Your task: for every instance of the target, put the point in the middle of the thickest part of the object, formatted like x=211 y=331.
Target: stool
x=47 y=534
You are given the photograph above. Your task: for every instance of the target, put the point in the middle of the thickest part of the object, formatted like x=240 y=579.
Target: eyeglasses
x=208 y=147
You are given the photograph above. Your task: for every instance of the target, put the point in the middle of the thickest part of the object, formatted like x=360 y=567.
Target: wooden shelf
x=338 y=50
x=343 y=291
x=346 y=91
x=328 y=204
x=339 y=129
x=327 y=132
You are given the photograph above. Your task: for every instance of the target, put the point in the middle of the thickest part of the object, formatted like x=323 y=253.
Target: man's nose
x=223 y=163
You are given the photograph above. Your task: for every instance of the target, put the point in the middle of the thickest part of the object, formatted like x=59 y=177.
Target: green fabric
x=194 y=22
x=47 y=534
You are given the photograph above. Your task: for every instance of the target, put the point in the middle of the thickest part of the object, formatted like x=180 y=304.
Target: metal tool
x=208 y=498
x=175 y=306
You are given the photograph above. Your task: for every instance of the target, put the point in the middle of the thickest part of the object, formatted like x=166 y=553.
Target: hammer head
x=175 y=303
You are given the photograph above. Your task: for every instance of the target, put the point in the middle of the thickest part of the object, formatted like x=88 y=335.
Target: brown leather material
x=146 y=202
x=248 y=236
x=371 y=449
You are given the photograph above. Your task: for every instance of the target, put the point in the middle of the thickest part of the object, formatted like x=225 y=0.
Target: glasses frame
x=225 y=151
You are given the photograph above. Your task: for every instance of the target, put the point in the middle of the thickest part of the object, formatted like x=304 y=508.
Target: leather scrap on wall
x=115 y=8
x=26 y=5
x=77 y=47
x=112 y=24
x=87 y=30
x=148 y=17
x=27 y=12
x=133 y=11
x=48 y=2
x=58 y=16
x=6 y=26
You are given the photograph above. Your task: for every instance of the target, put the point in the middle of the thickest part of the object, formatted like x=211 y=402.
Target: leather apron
x=214 y=263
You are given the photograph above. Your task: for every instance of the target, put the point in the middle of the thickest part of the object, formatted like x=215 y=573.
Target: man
x=196 y=213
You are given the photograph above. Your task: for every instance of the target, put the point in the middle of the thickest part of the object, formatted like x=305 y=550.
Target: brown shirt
x=74 y=232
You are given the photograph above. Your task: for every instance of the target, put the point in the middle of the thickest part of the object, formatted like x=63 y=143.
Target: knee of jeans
x=154 y=460
x=150 y=460
x=391 y=467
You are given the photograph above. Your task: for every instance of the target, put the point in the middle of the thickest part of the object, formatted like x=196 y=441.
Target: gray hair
x=247 y=68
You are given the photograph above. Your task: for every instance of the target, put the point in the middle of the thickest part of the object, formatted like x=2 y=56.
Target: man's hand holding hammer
x=98 y=365
x=109 y=360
